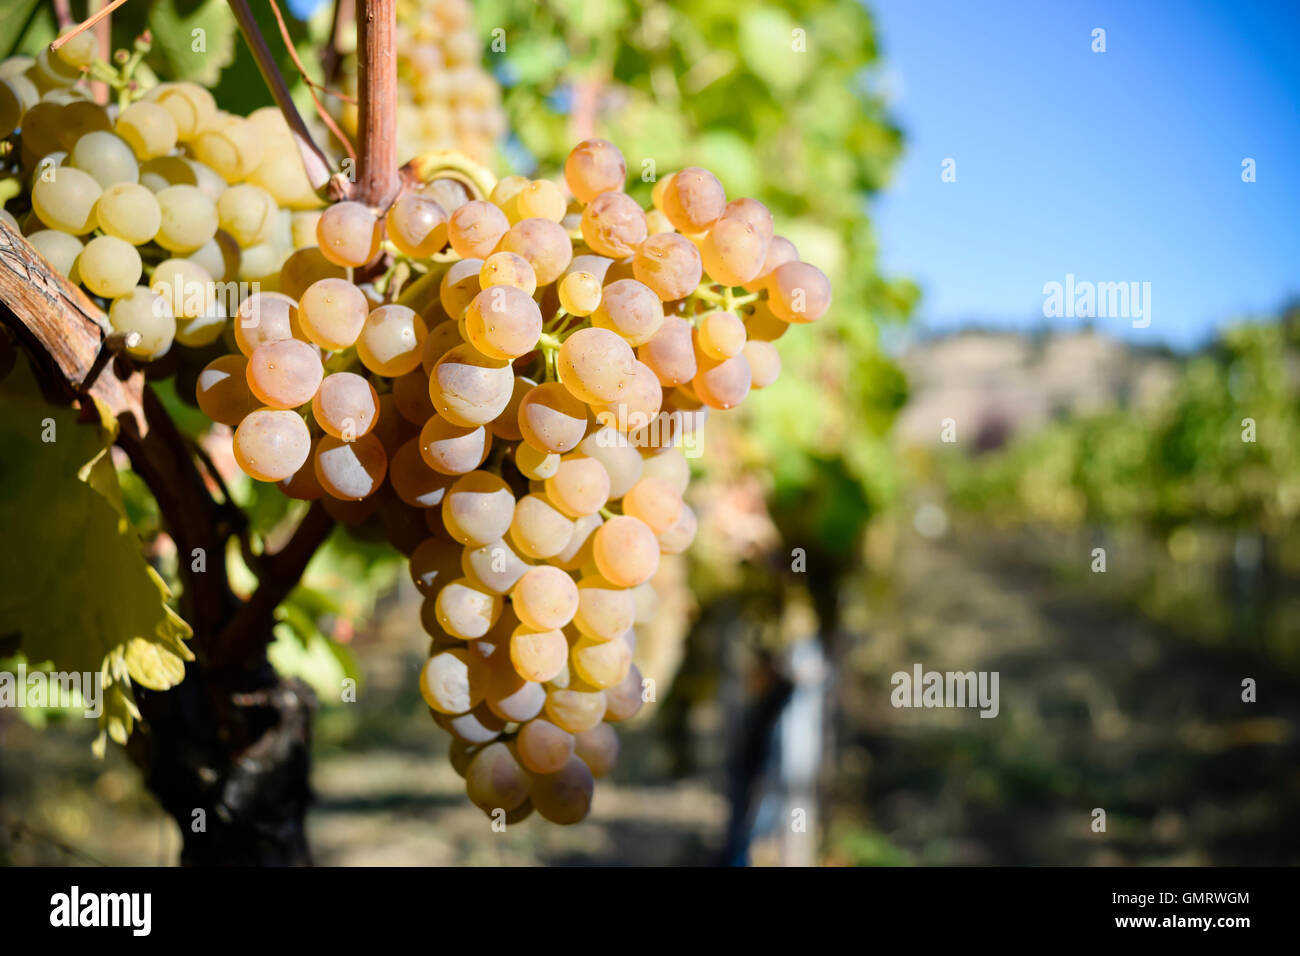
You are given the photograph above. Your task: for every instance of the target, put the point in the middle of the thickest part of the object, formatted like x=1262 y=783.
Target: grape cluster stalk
x=505 y=377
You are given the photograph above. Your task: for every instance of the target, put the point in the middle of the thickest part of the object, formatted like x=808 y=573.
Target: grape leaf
x=73 y=584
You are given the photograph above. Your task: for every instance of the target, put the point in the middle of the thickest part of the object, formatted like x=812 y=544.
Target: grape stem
x=87 y=23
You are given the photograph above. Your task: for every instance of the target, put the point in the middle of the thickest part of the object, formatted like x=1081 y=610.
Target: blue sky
x=1115 y=166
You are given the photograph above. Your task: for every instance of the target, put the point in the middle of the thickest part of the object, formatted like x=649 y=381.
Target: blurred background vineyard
x=841 y=539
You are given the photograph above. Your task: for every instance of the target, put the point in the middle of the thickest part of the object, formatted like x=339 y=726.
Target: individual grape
x=624 y=700
x=495 y=781
x=798 y=292
x=597 y=266
x=451 y=681
x=459 y=286
x=453 y=449
x=305 y=267
x=780 y=250
x=202 y=330
x=693 y=200
x=247 y=213
x=626 y=551
x=580 y=486
x=551 y=419
x=503 y=322
x=575 y=710
x=543 y=243
x=538 y=655
x=442 y=338
x=157 y=174
x=596 y=365
x=754 y=213
x=656 y=222
x=415 y=482
x=417 y=225
x=469 y=388
x=564 y=797
x=78 y=52
x=109 y=266
x=59 y=248
x=262 y=318
x=623 y=463
x=285 y=374
x=465 y=611
x=349 y=234
x=732 y=252
x=345 y=405
x=494 y=565
x=655 y=502
x=129 y=212
x=593 y=167
x=638 y=403
x=271 y=444
x=148 y=128
x=670 y=352
x=479 y=726
x=605 y=610
x=350 y=470
x=352 y=514
x=545 y=598
x=762 y=325
x=504 y=192
x=302 y=231
x=478 y=509
x=669 y=264
x=207 y=179
x=508 y=269
x=598 y=749
x=577 y=553
x=303 y=485
x=631 y=309
x=614 y=225
x=447 y=193
x=579 y=293
x=190 y=105
x=539 y=529
x=434 y=564
x=534 y=464
x=260 y=264
x=333 y=312
x=722 y=384
x=506 y=425
x=106 y=157
x=140 y=310
x=475 y=229
x=66 y=201
x=391 y=340
x=647 y=601
x=678 y=538
x=721 y=335
x=601 y=663
x=189 y=218
x=543 y=747
x=540 y=199
x=411 y=395
x=764 y=363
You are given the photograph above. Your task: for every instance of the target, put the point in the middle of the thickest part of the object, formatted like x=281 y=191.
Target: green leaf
x=195 y=38
x=77 y=591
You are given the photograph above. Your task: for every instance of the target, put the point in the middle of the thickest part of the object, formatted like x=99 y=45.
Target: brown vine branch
x=103 y=31
x=314 y=160
x=377 y=180
x=63 y=14
x=345 y=12
x=312 y=85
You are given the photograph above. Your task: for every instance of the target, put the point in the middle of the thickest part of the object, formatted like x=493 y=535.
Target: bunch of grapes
x=157 y=206
x=445 y=99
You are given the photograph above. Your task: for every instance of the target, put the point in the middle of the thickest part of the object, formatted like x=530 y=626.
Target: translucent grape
x=506 y=425
x=631 y=309
x=447 y=193
x=494 y=565
x=469 y=388
x=478 y=509
x=764 y=363
x=655 y=502
x=503 y=322
x=579 y=293
x=475 y=229
x=638 y=403
x=345 y=405
x=59 y=248
x=798 y=292
x=451 y=681
x=106 y=157
x=671 y=466
x=263 y=317
x=247 y=213
x=190 y=105
x=693 y=200
x=598 y=749
x=669 y=264
x=575 y=710
x=623 y=463
x=148 y=128
x=465 y=611
x=545 y=598
x=576 y=554
x=391 y=340
x=80 y=51
x=508 y=269
x=732 y=252
x=189 y=218
x=534 y=464
x=303 y=485
x=543 y=243
x=543 y=747
x=413 y=480
x=538 y=655
x=762 y=325
x=540 y=199
x=593 y=167
x=614 y=225
x=270 y=444
x=605 y=610
x=66 y=201
x=411 y=395
x=580 y=486
x=624 y=700
x=417 y=225
x=453 y=449
x=305 y=267
x=551 y=419
x=601 y=663
x=333 y=312
x=539 y=529
x=678 y=538
x=460 y=285
x=349 y=234
x=721 y=335
x=626 y=551
x=596 y=365
x=129 y=212
x=722 y=384
x=479 y=726
x=109 y=266
x=495 y=781
x=670 y=353
x=140 y=310
x=780 y=250
x=442 y=338
x=285 y=373
x=350 y=470
x=505 y=191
